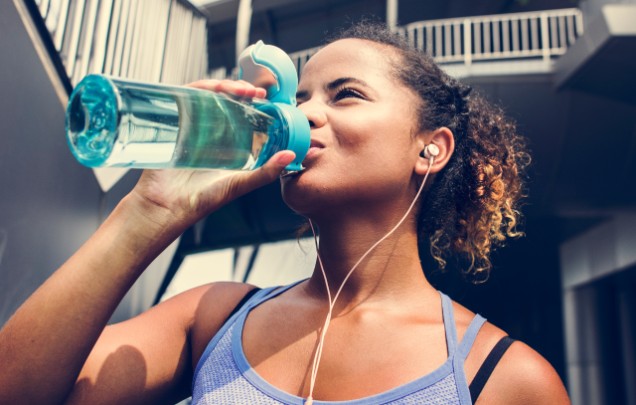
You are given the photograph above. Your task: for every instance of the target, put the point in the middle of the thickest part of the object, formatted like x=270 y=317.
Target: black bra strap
x=488 y=366
x=242 y=302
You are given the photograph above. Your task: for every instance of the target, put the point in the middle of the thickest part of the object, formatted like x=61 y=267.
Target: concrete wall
x=49 y=203
x=598 y=270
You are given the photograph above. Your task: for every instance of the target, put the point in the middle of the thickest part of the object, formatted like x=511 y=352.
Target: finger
x=238 y=88
x=241 y=89
x=265 y=174
x=210 y=84
x=237 y=184
x=261 y=92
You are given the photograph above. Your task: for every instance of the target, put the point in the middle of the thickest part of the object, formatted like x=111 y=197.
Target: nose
x=316 y=117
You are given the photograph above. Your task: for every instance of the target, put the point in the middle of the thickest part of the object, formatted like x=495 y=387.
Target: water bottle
x=112 y=122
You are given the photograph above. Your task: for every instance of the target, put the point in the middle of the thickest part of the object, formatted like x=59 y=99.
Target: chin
x=295 y=195
x=305 y=196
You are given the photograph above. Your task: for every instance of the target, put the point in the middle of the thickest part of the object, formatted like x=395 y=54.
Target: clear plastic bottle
x=119 y=123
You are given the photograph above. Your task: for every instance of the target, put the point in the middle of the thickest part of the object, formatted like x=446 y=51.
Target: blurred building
x=564 y=69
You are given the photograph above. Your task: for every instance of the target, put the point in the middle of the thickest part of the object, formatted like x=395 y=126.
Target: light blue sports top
x=224 y=376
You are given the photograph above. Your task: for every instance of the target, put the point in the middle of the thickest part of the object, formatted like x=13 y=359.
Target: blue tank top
x=224 y=376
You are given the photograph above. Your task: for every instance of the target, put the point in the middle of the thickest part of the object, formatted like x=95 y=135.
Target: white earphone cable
x=332 y=302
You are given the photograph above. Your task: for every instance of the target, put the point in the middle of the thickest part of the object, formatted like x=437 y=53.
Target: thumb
x=264 y=174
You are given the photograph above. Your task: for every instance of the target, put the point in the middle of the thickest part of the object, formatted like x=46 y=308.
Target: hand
x=186 y=196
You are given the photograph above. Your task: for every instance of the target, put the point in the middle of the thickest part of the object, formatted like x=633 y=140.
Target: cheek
x=351 y=131
x=376 y=140
x=357 y=132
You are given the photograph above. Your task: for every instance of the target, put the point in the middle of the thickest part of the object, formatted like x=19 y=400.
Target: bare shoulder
x=211 y=302
x=209 y=307
x=523 y=376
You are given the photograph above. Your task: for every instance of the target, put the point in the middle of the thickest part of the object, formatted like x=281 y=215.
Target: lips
x=313 y=143
x=315 y=147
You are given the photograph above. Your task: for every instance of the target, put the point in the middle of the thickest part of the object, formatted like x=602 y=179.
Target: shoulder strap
x=464 y=347
x=242 y=302
x=449 y=324
x=488 y=366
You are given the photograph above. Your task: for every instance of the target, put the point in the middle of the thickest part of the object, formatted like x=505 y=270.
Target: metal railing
x=505 y=37
x=149 y=40
x=142 y=39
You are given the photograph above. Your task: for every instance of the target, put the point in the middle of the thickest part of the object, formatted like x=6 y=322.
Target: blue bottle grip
x=266 y=61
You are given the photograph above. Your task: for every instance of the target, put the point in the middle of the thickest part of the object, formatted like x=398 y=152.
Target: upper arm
x=523 y=376
x=148 y=359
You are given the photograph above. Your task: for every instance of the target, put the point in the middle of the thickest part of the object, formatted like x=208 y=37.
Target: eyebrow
x=339 y=82
x=331 y=86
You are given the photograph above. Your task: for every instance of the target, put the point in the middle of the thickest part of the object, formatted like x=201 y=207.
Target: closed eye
x=347 y=92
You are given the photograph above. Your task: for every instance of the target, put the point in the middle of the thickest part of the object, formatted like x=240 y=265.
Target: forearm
x=47 y=341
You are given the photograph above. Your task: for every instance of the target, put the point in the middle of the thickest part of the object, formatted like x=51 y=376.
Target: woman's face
x=363 y=126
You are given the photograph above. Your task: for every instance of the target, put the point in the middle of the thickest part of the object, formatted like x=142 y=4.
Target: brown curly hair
x=472 y=206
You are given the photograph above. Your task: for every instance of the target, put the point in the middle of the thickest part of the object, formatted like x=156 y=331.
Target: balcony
x=515 y=43
x=111 y=37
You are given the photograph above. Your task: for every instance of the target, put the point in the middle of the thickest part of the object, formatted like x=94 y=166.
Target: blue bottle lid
x=92 y=119
x=260 y=59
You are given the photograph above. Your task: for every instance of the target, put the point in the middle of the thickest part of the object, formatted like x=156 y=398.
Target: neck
x=364 y=256
x=390 y=270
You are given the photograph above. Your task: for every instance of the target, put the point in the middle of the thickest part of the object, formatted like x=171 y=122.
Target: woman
x=374 y=107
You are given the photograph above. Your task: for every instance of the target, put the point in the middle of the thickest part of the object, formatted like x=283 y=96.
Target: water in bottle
x=118 y=123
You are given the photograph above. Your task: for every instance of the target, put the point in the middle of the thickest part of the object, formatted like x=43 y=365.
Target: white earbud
x=431 y=151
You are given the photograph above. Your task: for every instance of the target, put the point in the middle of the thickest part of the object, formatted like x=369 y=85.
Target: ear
x=445 y=141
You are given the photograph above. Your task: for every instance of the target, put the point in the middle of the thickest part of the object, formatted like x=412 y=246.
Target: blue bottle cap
x=92 y=119
x=260 y=59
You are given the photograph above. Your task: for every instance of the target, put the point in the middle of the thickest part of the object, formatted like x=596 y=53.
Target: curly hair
x=472 y=207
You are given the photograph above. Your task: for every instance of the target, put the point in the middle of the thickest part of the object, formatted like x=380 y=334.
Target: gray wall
x=48 y=202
